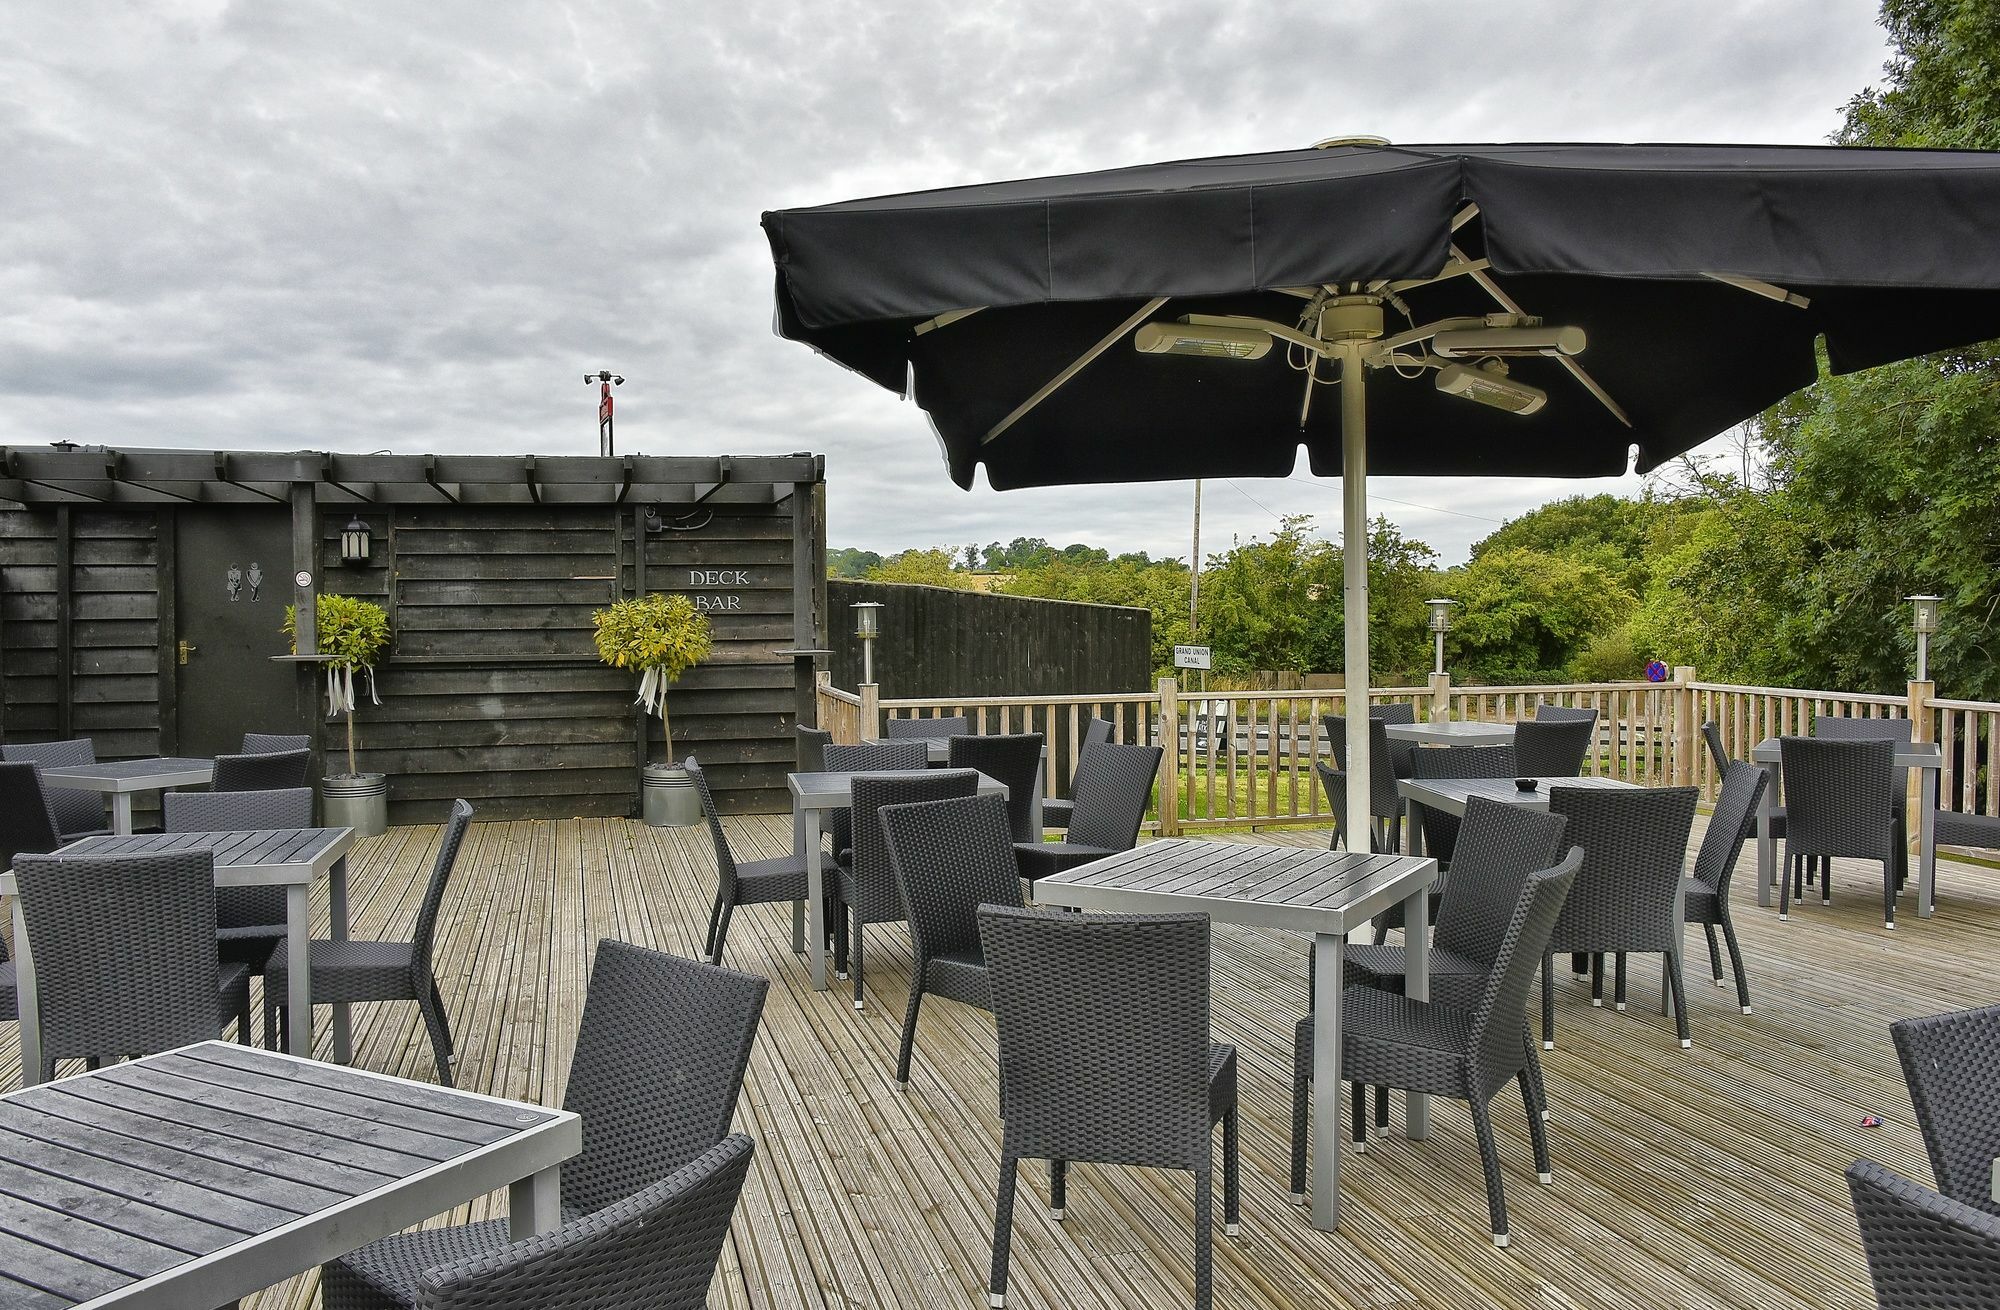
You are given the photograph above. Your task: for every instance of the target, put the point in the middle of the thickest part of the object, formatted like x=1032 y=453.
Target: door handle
x=186 y=648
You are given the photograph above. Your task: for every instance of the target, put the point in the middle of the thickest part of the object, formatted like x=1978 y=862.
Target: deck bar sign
x=1192 y=657
x=712 y=602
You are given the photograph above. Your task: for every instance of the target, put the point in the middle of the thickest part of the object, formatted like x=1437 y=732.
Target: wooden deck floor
x=1709 y=1177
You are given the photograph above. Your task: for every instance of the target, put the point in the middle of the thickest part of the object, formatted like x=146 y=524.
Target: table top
x=835 y=791
x=207 y=1173
x=1236 y=882
x=1909 y=754
x=1450 y=794
x=1453 y=732
x=131 y=775
x=939 y=747
x=242 y=859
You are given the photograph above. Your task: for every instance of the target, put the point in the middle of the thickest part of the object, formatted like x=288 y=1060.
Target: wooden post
x=871 y=710
x=1921 y=729
x=1440 y=697
x=65 y=625
x=1685 y=727
x=1170 y=758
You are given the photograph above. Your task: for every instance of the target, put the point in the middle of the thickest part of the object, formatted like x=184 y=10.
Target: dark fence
x=938 y=641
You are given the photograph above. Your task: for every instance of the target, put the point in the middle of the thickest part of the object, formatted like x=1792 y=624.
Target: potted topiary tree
x=662 y=636
x=353 y=635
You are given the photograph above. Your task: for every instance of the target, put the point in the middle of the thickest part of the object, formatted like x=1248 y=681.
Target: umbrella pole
x=1354 y=571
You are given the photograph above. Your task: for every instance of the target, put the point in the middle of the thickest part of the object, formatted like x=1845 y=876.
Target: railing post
x=1684 y=726
x=871 y=710
x=1170 y=758
x=1440 y=697
x=1921 y=729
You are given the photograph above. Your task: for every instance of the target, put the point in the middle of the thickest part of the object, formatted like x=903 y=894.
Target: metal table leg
x=1329 y=957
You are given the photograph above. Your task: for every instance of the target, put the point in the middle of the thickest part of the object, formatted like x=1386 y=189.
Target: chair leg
x=721 y=933
x=1736 y=963
x=1714 y=954
x=243 y=1037
x=910 y=1025
x=1889 y=893
x=1058 y=1188
x=1381 y=1111
x=1671 y=962
x=1826 y=880
x=1785 y=888
x=1496 y=1197
x=1358 y=1129
x=1538 y=1131
x=1204 y=1238
x=714 y=917
x=1232 y=1199
x=1003 y=1232
x=1534 y=1068
x=1549 y=1002
x=1301 y=1098
x=854 y=956
x=1597 y=980
x=438 y=1025
x=841 y=940
x=1618 y=981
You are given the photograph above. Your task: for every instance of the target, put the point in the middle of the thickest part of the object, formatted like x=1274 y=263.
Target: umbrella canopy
x=1698 y=278
x=1524 y=309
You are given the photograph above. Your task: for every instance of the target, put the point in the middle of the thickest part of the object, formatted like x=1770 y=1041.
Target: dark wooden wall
x=938 y=641
x=97 y=674
x=493 y=689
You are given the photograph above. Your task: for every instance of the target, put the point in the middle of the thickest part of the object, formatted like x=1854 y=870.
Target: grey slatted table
x=813 y=794
x=1454 y=732
x=1325 y=893
x=1925 y=755
x=122 y=779
x=1450 y=795
x=187 y=1180
x=939 y=753
x=290 y=858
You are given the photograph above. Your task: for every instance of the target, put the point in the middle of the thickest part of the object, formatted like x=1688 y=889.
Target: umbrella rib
x=1575 y=369
x=1075 y=367
x=1767 y=290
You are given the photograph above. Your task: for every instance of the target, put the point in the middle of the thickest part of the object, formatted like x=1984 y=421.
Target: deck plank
x=1709 y=1177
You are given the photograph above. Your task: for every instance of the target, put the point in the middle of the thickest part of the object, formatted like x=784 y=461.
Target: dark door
x=233 y=579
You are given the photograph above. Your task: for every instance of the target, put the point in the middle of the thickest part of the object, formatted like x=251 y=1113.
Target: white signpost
x=1192 y=657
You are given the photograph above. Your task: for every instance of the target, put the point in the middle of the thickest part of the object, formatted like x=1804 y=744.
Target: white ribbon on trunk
x=340 y=698
x=653 y=692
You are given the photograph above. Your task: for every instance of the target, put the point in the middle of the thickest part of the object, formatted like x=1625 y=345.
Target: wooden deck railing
x=1245 y=758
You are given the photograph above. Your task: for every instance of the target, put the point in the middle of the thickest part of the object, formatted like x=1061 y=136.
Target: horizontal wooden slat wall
x=105 y=660
x=736 y=710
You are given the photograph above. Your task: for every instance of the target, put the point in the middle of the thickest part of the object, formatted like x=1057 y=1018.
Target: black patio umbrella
x=1548 y=310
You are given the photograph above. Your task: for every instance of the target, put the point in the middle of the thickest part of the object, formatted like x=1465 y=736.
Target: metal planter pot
x=358 y=801
x=667 y=798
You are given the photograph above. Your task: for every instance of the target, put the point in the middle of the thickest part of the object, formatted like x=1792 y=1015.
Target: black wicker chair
x=945 y=725
x=1980 y=830
x=1626 y=896
x=1385 y=803
x=1839 y=803
x=847 y=757
x=125 y=955
x=1925 y=1251
x=29 y=824
x=250 y=921
x=1055 y=813
x=1952 y=1065
x=812 y=744
x=1553 y=748
x=656 y=1248
x=1112 y=789
x=265 y=743
x=269 y=771
x=866 y=890
x=1901 y=732
x=747 y=882
x=1564 y=714
x=1106 y=1057
x=652 y=1023
x=1502 y=845
x=1706 y=895
x=1440 y=827
x=1468 y=1052
x=345 y=972
x=950 y=857
x=1718 y=754
x=78 y=813
x=1015 y=762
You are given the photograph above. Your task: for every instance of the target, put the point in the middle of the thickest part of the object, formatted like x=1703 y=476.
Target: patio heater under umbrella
x=1497 y=310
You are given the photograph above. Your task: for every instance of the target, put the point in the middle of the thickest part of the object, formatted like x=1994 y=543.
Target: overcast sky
x=289 y=224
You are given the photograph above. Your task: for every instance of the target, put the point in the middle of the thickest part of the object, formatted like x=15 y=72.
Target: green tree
x=930 y=568
x=846 y=562
x=1525 y=614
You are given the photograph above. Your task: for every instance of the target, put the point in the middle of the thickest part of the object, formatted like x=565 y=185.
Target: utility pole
x=606 y=380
